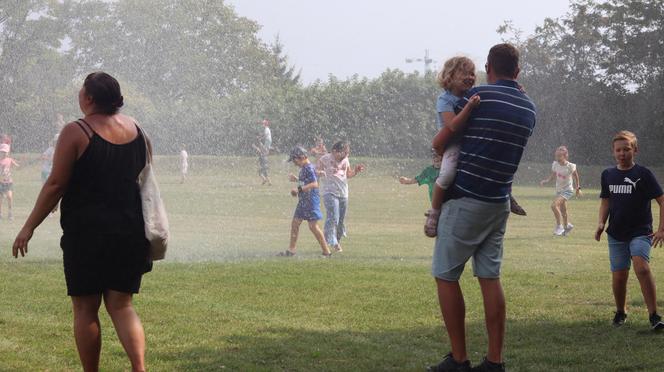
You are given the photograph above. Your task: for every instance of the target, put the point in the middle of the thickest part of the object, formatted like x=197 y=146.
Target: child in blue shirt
x=308 y=204
x=627 y=191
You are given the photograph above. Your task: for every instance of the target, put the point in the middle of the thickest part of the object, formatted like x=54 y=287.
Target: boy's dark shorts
x=94 y=263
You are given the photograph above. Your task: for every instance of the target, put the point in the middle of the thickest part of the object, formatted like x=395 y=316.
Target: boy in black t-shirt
x=627 y=191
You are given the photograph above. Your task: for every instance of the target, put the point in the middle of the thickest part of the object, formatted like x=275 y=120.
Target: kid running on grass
x=266 y=137
x=427 y=176
x=263 y=165
x=308 y=204
x=627 y=190
x=566 y=175
x=6 y=182
x=184 y=163
x=335 y=169
x=456 y=77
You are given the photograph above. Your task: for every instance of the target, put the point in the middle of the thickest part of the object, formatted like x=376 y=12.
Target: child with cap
x=6 y=182
x=184 y=163
x=308 y=205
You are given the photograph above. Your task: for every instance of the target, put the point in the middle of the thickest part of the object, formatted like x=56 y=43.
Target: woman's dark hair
x=105 y=92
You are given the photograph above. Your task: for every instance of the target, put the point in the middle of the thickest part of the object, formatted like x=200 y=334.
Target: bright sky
x=365 y=37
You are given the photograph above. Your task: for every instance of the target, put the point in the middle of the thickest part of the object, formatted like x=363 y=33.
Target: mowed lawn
x=222 y=301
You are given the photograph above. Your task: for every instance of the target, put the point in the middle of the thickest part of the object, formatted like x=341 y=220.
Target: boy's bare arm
x=603 y=216
x=575 y=176
x=658 y=236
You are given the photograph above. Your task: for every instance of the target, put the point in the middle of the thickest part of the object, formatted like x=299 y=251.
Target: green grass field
x=222 y=301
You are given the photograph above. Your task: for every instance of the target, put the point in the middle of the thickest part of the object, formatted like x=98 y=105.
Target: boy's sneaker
x=656 y=323
x=559 y=230
x=619 y=319
x=449 y=364
x=431 y=225
x=568 y=228
x=488 y=366
x=516 y=208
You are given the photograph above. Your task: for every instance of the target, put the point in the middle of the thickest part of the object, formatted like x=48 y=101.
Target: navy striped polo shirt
x=493 y=142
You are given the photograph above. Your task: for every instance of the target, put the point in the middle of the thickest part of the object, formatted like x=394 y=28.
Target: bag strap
x=88 y=132
x=148 y=144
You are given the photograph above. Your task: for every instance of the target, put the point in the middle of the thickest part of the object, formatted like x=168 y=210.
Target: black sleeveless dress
x=103 y=242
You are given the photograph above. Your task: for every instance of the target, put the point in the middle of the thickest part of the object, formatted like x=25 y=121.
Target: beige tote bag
x=154 y=212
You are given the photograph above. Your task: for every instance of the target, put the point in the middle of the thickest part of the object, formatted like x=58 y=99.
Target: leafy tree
x=34 y=72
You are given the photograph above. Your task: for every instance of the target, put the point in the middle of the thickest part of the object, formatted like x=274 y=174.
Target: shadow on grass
x=530 y=346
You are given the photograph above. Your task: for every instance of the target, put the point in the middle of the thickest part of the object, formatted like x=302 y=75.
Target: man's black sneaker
x=488 y=366
x=619 y=319
x=449 y=364
x=656 y=323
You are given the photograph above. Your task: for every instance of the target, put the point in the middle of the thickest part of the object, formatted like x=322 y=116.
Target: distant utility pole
x=427 y=61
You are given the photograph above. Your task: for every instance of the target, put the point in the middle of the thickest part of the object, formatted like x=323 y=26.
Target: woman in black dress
x=95 y=171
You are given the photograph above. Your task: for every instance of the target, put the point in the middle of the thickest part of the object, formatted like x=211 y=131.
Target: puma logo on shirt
x=624 y=189
x=628 y=180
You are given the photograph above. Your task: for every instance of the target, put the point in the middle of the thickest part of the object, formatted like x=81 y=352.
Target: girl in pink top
x=334 y=170
x=6 y=182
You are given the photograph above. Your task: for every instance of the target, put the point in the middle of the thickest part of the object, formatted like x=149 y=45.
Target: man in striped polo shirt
x=472 y=223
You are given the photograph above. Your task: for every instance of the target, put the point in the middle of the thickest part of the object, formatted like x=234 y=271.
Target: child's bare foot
x=337 y=248
x=431 y=224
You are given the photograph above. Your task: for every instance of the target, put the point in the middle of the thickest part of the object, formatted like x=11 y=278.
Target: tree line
x=195 y=73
